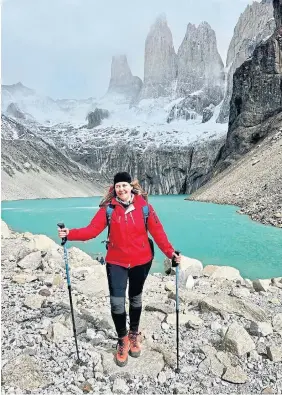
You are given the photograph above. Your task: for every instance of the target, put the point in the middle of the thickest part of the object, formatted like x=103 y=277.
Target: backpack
x=145 y=209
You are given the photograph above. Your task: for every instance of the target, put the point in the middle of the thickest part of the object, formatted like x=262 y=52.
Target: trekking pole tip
x=177 y=370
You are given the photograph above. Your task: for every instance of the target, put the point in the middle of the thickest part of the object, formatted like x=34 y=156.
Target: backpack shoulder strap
x=145 y=210
x=109 y=212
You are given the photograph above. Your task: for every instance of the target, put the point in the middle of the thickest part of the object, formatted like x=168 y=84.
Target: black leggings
x=117 y=279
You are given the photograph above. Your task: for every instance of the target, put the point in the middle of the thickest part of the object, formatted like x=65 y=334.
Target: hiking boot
x=135 y=347
x=122 y=351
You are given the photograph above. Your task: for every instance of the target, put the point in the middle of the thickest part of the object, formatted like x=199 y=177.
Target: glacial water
x=214 y=234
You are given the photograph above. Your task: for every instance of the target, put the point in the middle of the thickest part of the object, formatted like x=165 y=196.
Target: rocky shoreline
x=254 y=182
x=230 y=328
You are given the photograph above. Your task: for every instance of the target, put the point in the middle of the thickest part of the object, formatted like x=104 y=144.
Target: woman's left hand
x=176 y=258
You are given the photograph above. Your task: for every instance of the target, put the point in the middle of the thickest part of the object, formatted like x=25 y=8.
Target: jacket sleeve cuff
x=71 y=235
x=169 y=253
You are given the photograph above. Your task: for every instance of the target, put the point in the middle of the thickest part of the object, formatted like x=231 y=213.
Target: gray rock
x=226 y=272
x=233 y=305
x=235 y=374
x=189 y=319
x=91 y=333
x=24 y=372
x=150 y=363
x=261 y=285
x=120 y=387
x=95 y=283
x=274 y=353
x=23 y=278
x=34 y=301
x=60 y=332
x=162 y=307
x=5 y=232
x=161 y=377
x=32 y=261
x=277 y=322
x=237 y=340
x=260 y=329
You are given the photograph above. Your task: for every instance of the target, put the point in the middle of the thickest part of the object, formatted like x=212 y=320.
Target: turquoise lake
x=214 y=234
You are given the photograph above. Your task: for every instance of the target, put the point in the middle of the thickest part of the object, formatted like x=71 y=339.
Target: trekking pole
x=177 y=370
x=63 y=243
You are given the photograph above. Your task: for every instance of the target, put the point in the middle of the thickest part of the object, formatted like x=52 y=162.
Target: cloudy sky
x=63 y=48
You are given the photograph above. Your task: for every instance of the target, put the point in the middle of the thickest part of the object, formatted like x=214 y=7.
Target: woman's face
x=123 y=190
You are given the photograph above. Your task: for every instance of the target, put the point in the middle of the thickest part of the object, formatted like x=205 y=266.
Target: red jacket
x=128 y=241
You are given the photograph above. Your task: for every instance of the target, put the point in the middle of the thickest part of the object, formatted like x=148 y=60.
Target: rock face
x=200 y=67
x=160 y=170
x=95 y=117
x=160 y=69
x=46 y=165
x=194 y=74
x=257 y=96
x=254 y=25
x=122 y=81
x=254 y=136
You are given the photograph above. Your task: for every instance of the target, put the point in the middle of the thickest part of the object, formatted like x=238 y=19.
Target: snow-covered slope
x=44 y=109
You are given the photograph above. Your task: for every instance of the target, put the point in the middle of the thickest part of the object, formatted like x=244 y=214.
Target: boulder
x=150 y=363
x=34 y=301
x=31 y=261
x=79 y=258
x=260 y=329
x=24 y=372
x=95 y=283
x=237 y=340
x=232 y=305
x=188 y=266
x=235 y=374
x=226 y=272
x=5 y=231
x=42 y=243
x=261 y=285
x=277 y=322
x=274 y=353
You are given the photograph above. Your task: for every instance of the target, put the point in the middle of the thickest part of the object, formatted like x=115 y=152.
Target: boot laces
x=134 y=338
x=120 y=346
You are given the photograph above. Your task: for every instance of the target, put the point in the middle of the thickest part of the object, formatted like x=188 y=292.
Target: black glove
x=173 y=262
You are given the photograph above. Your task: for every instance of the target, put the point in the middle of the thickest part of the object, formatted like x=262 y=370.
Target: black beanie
x=123 y=176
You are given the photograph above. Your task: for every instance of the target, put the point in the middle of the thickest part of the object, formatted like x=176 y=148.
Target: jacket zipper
x=132 y=217
x=125 y=217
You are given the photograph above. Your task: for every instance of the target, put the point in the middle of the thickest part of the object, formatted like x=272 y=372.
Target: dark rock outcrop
x=255 y=24
x=208 y=113
x=247 y=171
x=257 y=95
x=95 y=117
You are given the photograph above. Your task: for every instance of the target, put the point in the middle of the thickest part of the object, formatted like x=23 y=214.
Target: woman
x=129 y=256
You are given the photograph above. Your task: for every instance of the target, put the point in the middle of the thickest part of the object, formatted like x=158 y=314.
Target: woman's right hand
x=63 y=232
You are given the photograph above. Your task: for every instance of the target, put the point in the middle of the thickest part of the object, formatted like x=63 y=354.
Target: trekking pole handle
x=174 y=264
x=61 y=225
